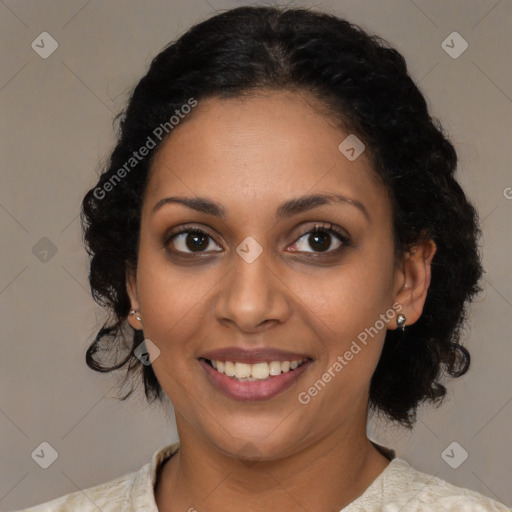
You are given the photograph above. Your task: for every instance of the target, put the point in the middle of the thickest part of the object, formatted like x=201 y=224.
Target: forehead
x=267 y=147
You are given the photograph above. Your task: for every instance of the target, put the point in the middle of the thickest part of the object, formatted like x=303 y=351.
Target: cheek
x=346 y=312
x=350 y=297
x=172 y=300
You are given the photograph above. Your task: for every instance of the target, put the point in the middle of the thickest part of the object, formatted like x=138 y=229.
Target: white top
x=399 y=488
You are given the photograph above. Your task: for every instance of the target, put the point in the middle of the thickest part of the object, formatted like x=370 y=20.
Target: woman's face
x=261 y=287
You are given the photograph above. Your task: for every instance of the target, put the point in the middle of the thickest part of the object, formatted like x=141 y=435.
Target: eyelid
x=329 y=227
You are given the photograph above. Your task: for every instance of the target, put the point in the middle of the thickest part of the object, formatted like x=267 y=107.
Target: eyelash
x=325 y=227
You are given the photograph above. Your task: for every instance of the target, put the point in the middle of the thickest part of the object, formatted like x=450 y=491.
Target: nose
x=252 y=296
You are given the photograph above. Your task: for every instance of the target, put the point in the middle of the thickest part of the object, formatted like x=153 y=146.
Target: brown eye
x=321 y=239
x=190 y=241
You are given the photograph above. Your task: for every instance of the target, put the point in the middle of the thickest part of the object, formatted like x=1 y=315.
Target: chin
x=264 y=440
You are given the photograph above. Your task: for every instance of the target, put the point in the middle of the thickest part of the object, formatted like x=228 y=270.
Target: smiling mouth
x=260 y=371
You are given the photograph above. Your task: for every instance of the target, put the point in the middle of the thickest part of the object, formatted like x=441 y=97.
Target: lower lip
x=253 y=391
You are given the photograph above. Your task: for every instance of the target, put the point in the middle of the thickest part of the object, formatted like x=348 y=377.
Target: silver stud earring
x=400 y=321
x=134 y=312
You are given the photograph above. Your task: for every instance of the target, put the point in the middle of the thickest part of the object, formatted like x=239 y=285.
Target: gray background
x=56 y=130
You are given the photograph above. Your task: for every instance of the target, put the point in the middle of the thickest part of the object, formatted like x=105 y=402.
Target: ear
x=131 y=289
x=413 y=279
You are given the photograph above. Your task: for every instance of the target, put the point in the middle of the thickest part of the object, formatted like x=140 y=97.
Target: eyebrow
x=287 y=209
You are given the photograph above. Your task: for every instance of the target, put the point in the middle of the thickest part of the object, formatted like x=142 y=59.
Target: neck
x=324 y=476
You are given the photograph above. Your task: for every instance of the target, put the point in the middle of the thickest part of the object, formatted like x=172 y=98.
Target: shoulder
x=130 y=492
x=403 y=488
x=108 y=496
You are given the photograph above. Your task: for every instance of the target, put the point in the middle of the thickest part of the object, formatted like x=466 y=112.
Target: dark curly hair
x=364 y=85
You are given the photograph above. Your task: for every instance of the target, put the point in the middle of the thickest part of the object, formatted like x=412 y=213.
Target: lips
x=253 y=375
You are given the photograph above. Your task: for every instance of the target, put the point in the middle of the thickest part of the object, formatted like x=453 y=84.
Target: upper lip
x=252 y=356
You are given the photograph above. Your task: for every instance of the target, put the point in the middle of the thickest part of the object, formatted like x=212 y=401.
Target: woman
x=280 y=226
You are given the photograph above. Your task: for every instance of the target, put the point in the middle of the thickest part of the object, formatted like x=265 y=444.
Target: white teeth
x=275 y=368
x=256 y=371
x=260 y=371
x=242 y=370
x=229 y=369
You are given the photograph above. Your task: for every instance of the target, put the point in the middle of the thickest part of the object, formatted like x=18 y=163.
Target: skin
x=250 y=155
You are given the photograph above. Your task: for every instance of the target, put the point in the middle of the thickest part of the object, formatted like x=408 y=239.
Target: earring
x=134 y=312
x=400 y=321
